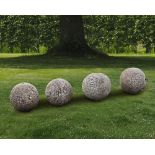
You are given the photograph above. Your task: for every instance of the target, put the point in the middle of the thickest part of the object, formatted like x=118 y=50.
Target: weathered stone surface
x=96 y=86
x=58 y=91
x=133 y=80
x=24 y=97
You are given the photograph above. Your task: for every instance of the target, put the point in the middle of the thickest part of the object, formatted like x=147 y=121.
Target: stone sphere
x=58 y=91
x=24 y=97
x=96 y=86
x=132 y=80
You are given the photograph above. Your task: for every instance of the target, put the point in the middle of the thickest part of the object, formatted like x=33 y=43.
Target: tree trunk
x=148 y=49
x=71 y=30
x=72 y=40
x=1 y=46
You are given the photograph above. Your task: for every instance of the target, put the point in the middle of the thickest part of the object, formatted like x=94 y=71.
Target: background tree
x=71 y=34
x=145 y=27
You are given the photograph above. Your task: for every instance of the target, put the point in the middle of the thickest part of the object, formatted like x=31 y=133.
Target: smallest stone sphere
x=96 y=86
x=24 y=97
x=133 y=80
x=59 y=92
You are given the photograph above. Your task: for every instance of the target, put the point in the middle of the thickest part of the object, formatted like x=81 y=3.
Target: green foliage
x=28 y=33
x=118 y=34
x=111 y=34
x=145 y=30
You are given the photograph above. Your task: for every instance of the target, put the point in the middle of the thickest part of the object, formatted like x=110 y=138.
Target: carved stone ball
x=96 y=86
x=133 y=80
x=24 y=97
x=58 y=92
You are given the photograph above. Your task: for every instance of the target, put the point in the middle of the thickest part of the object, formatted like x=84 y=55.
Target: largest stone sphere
x=132 y=80
x=58 y=91
x=96 y=86
x=24 y=97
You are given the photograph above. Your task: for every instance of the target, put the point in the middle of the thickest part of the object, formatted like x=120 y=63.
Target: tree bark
x=72 y=40
x=71 y=30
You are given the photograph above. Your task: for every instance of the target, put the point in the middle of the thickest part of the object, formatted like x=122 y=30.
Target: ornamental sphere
x=133 y=80
x=58 y=91
x=24 y=97
x=96 y=86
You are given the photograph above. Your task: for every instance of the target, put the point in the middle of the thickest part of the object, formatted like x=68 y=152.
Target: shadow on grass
x=49 y=61
x=81 y=99
x=118 y=94
x=43 y=103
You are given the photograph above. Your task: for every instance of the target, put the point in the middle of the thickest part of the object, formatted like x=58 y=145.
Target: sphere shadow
x=43 y=103
x=117 y=94
x=81 y=99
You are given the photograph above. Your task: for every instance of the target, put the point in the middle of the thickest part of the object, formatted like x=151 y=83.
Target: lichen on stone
x=58 y=91
x=24 y=97
x=133 y=80
x=96 y=86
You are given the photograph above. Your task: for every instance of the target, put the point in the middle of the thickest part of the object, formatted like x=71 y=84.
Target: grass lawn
x=118 y=116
